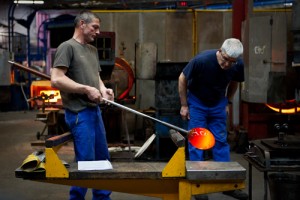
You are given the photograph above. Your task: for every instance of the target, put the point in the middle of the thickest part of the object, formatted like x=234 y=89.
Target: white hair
x=232 y=47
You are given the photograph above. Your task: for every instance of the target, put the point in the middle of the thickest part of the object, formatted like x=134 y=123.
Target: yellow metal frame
x=173 y=185
x=56 y=169
x=54 y=166
x=176 y=165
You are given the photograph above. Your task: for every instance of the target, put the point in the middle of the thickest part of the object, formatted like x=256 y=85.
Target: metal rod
x=42 y=75
x=27 y=69
x=147 y=116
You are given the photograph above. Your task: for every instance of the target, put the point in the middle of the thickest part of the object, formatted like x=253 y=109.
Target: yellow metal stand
x=54 y=166
x=176 y=166
x=168 y=181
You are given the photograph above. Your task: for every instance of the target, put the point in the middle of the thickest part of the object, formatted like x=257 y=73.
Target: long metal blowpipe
x=200 y=138
x=147 y=116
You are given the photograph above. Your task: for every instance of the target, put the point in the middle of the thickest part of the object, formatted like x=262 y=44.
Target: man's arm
x=182 y=90
x=231 y=89
x=60 y=81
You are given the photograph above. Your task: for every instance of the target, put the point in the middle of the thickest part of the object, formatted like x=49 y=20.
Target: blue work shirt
x=207 y=80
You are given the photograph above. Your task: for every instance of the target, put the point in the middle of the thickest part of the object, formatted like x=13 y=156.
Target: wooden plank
x=58 y=140
x=201 y=170
x=121 y=170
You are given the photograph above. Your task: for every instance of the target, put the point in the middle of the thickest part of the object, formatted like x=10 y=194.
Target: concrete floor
x=18 y=130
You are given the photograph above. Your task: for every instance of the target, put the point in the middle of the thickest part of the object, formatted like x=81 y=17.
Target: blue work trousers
x=90 y=144
x=214 y=119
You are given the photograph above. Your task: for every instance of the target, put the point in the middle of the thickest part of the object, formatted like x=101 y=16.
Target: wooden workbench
x=176 y=179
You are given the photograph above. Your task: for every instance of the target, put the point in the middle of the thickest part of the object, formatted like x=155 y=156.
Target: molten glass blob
x=201 y=138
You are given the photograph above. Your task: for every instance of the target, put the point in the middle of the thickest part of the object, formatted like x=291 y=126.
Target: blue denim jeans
x=213 y=119
x=90 y=143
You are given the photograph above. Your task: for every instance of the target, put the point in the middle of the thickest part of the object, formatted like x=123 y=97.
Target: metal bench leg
x=250 y=181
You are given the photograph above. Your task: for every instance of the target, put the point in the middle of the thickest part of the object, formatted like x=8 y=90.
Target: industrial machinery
x=279 y=154
x=50 y=116
x=167 y=104
x=48 y=100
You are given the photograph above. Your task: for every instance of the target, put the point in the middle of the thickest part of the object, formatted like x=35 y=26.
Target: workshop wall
x=266 y=64
x=171 y=31
x=177 y=34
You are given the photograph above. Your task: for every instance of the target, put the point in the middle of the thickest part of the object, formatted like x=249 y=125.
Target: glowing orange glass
x=201 y=138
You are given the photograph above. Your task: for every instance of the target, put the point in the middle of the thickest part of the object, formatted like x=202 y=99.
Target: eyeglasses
x=229 y=60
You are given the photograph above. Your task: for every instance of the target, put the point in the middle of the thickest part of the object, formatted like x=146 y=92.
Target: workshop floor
x=18 y=130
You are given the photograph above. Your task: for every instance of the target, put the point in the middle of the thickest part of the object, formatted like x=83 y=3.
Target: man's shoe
x=237 y=194
x=201 y=197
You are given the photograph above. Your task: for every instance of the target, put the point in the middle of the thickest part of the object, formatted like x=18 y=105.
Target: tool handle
x=146 y=116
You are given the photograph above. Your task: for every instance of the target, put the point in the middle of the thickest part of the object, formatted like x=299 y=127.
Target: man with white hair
x=206 y=86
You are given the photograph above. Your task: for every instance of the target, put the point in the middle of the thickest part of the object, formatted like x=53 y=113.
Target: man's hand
x=93 y=94
x=108 y=94
x=184 y=112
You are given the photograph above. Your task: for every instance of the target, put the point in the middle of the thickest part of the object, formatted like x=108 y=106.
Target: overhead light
x=28 y=2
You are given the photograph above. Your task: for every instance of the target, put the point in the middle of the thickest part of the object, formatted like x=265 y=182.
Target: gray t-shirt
x=83 y=66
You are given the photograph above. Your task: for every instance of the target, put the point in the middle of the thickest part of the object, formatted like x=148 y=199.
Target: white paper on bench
x=94 y=165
